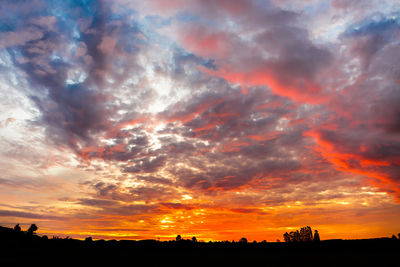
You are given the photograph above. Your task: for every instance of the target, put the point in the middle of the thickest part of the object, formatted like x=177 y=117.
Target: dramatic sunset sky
x=133 y=119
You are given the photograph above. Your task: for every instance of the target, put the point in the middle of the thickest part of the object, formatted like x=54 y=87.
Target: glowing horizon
x=221 y=119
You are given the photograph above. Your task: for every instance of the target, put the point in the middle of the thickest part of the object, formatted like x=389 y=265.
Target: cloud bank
x=195 y=115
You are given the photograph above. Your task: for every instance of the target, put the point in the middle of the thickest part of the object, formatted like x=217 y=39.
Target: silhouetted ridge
x=36 y=249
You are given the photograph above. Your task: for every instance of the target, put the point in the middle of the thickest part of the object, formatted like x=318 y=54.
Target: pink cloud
x=21 y=37
x=200 y=41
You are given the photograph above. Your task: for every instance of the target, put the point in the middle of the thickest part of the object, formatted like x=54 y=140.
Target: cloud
x=29 y=215
x=117 y=208
x=149 y=192
x=9 y=39
x=66 y=69
x=170 y=205
x=147 y=166
x=7 y=122
x=245 y=211
x=27 y=183
x=289 y=61
x=369 y=36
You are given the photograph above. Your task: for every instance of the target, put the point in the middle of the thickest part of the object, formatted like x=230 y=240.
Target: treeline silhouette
x=18 y=247
x=304 y=235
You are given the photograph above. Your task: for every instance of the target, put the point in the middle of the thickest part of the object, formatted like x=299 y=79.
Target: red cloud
x=299 y=89
x=356 y=161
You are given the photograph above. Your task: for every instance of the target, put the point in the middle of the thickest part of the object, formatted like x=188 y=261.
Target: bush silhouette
x=243 y=240
x=17 y=228
x=32 y=229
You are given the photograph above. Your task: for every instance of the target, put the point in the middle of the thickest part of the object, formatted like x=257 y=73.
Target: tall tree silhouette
x=316 y=236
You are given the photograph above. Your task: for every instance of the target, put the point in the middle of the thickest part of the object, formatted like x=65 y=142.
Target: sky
x=131 y=119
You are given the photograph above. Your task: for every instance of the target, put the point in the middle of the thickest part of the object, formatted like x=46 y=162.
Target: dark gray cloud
x=147 y=165
x=155 y=189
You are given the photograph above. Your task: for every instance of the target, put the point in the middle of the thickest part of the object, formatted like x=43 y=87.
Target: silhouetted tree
x=32 y=229
x=295 y=236
x=394 y=237
x=243 y=240
x=316 y=236
x=178 y=238
x=305 y=235
x=88 y=239
x=286 y=237
x=17 y=228
x=194 y=239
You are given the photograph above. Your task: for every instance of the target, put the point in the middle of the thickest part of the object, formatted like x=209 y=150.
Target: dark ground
x=21 y=249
